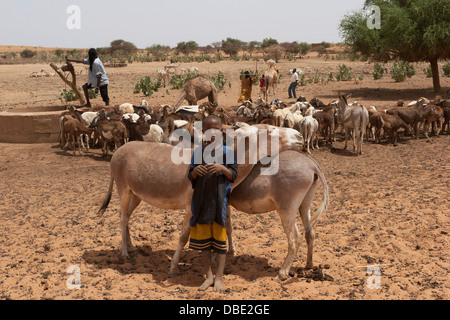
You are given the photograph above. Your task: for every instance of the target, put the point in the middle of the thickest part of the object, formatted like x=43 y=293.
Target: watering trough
x=34 y=125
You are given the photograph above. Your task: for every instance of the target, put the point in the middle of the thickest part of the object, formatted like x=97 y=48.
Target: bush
x=254 y=74
x=446 y=68
x=344 y=73
x=410 y=70
x=27 y=53
x=147 y=86
x=218 y=81
x=402 y=70
x=378 y=71
x=69 y=95
x=330 y=77
x=428 y=72
x=178 y=81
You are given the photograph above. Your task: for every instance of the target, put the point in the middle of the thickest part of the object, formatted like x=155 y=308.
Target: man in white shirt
x=293 y=85
x=97 y=77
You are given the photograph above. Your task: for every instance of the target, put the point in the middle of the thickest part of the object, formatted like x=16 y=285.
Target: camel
x=353 y=118
x=197 y=89
x=271 y=79
x=146 y=171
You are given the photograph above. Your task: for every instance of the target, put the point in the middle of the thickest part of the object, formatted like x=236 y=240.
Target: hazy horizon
x=44 y=23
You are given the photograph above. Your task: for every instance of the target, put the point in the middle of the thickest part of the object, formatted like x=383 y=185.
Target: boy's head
x=92 y=54
x=213 y=123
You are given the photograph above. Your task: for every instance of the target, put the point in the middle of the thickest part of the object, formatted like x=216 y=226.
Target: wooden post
x=73 y=84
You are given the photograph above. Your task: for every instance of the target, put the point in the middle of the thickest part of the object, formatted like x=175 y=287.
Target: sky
x=49 y=23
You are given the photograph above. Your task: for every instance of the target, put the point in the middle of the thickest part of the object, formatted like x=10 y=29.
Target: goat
x=435 y=118
x=110 y=131
x=388 y=123
x=412 y=115
x=74 y=129
x=325 y=119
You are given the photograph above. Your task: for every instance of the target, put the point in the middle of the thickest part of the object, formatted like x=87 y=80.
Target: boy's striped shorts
x=208 y=237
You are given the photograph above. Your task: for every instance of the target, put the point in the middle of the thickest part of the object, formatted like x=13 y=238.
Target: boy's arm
x=216 y=167
x=76 y=61
x=99 y=78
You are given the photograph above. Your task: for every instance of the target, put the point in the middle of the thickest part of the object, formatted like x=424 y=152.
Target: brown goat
x=74 y=129
x=389 y=123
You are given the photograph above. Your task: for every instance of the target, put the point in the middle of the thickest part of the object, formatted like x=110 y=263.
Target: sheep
x=163 y=75
x=308 y=127
x=155 y=134
x=126 y=108
x=279 y=115
x=288 y=121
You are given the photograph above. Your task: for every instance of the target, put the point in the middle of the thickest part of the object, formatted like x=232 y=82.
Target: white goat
x=86 y=120
x=308 y=127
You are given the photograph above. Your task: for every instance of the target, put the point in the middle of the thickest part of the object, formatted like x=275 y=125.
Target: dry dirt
x=388 y=207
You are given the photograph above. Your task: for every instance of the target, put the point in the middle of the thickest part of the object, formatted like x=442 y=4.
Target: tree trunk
x=73 y=83
x=435 y=72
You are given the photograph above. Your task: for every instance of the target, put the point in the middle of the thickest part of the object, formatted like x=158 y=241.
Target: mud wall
x=29 y=127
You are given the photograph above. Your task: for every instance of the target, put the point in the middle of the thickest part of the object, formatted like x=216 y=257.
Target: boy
x=293 y=85
x=262 y=86
x=97 y=77
x=211 y=184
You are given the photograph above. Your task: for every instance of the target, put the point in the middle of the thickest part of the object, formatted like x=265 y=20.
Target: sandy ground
x=388 y=207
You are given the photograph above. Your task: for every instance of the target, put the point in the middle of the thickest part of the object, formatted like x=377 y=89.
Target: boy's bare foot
x=208 y=283
x=218 y=285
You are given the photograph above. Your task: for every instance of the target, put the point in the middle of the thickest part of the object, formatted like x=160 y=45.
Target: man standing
x=97 y=77
x=293 y=85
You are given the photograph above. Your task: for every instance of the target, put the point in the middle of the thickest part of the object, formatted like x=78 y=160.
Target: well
x=36 y=125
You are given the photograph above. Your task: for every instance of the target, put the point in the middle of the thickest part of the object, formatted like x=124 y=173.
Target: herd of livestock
x=111 y=127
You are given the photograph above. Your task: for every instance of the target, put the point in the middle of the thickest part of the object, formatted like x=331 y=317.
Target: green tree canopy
x=304 y=47
x=232 y=46
x=410 y=30
x=122 y=47
x=187 y=47
x=268 y=42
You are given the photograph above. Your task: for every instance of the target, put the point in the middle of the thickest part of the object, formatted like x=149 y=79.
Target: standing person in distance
x=97 y=77
x=293 y=85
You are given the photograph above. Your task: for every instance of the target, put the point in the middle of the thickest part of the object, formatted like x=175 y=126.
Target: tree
x=304 y=47
x=231 y=46
x=122 y=47
x=268 y=42
x=158 y=52
x=290 y=47
x=27 y=53
x=251 y=46
x=187 y=47
x=410 y=30
x=217 y=45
